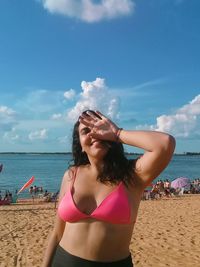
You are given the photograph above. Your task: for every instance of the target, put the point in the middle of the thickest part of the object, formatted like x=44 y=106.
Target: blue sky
x=136 y=61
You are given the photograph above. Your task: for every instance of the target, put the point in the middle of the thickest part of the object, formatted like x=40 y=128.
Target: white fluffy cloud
x=11 y=136
x=88 y=11
x=56 y=116
x=95 y=95
x=38 y=135
x=7 y=118
x=69 y=94
x=6 y=112
x=184 y=123
x=64 y=139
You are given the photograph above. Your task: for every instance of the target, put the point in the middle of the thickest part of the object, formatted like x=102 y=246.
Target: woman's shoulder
x=69 y=173
x=67 y=180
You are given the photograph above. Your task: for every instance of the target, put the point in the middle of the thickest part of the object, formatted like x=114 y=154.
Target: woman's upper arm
x=152 y=163
x=59 y=224
x=65 y=184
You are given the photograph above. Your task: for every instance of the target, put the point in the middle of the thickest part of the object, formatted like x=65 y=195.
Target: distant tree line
x=192 y=153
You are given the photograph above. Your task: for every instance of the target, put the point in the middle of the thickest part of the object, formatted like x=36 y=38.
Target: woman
x=100 y=194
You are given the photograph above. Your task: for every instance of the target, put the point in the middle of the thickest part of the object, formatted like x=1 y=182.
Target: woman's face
x=93 y=147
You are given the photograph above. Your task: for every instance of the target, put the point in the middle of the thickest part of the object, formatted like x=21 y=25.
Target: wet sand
x=167 y=233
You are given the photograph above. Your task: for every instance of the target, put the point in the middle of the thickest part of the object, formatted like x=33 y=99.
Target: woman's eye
x=85 y=131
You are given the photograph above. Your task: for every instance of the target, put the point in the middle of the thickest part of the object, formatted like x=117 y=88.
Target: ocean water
x=48 y=170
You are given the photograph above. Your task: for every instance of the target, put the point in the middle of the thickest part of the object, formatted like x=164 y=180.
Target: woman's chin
x=99 y=152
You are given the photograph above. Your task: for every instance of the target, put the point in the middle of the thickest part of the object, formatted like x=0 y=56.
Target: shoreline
x=188 y=153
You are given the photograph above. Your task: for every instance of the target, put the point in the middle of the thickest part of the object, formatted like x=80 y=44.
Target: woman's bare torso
x=94 y=239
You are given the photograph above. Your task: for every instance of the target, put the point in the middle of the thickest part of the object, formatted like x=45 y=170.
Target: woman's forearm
x=146 y=140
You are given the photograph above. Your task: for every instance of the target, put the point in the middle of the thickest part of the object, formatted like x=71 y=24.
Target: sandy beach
x=166 y=233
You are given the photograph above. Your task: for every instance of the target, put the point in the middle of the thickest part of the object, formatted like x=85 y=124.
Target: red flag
x=26 y=184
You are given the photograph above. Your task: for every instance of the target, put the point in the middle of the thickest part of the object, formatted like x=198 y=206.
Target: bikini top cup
x=115 y=208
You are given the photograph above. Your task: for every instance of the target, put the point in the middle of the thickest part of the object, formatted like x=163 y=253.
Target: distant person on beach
x=167 y=186
x=35 y=189
x=101 y=192
x=1 y=167
x=46 y=193
x=31 y=190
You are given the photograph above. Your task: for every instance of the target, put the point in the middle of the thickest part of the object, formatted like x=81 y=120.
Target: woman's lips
x=101 y=143
x=96 y=142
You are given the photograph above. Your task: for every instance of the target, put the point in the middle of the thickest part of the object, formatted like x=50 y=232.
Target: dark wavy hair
x=116 y=166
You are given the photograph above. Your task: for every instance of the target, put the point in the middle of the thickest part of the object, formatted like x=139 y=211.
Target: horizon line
x=131 y=153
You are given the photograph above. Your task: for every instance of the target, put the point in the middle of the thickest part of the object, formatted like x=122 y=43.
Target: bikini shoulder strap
x=74 y=172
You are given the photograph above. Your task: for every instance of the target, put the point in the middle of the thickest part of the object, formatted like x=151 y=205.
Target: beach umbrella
x=180 y=182
x=29 y=182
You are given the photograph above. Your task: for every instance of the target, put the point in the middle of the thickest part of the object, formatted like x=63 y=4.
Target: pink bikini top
x=115 y=208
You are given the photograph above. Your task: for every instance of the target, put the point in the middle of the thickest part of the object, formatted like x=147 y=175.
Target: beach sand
x=167 y=233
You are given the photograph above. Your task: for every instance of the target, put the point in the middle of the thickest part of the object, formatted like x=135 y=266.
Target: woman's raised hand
x=100 y=126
